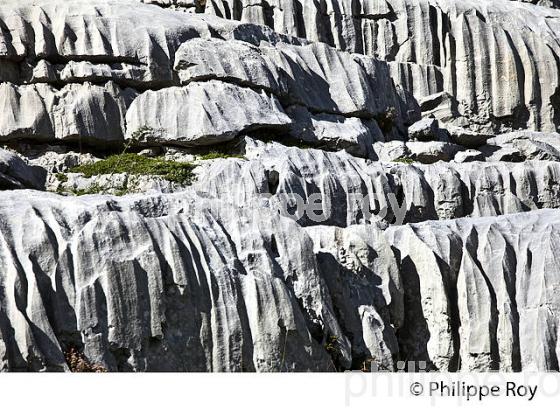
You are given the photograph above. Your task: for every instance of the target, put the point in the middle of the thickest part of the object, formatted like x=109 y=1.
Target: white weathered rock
x=423 y=80
x=434 y=191
x=392 y=151
x=93 y=113
x=366 y=291
x=426 y=129
x=202 y=114
x=141 y=37
x=457 y=265
x=79 y=64
x=182 y=283
x=466 y=137
x=216 y=276
x=231 y=61
x=524 y=146
x=27 y=111
x=441 y=105
x=432 y=151
x=315 y=76
x=498 y=58
x=469 y=155
x=336 y=132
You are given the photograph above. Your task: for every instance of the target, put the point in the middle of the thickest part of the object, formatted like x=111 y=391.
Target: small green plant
x=61 y=177
x=91 y=190
x=404 y=160
x=331 y=346
x=134 y=164
x=218 y=154
x=142 y=133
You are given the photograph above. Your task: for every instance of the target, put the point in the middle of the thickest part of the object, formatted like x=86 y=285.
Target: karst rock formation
x=423 y=133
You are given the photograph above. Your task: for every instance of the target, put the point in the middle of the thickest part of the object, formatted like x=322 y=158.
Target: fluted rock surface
x=100 y=71
x=159 y=284
x=300 y=204
x=499 y=59
x=349 y=190
x=510 y=262
x=177 y=282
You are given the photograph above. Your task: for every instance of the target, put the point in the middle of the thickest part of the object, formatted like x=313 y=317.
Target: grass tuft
x=134 y=164
x=219 y=154
x=61 y=177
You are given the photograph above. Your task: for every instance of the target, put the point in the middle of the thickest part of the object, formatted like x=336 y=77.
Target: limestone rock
x=27 y=110
x=499 y=58
x=524 y=146
x=202 y=114
x=422 y=81
x=455 y=266
x=41 y=112
x=231 y=61
x=336 y=132
x=135 y=303
x=370 y=314
x=315 y=76
x=425 y=130
x=15 y=173
x=183 y=283
x=469 y=155
x=391 y=239
x=124 y=36
x=416 y=191
x=91 y=112
x=391 y=151
x=433 y=151
x=442 y=106
x=466 y=137
x=77 y=83
x=544 y=3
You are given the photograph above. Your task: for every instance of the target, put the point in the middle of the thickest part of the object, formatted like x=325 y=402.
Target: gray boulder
x=336 y=132
x=315 y=76
x=425 y=130
x=202 y=114
x=466 y=137
x=16 y=174
x=469 y=155
x=77 y=111
x=432 y=151
x=441 y=105
x=520 y=146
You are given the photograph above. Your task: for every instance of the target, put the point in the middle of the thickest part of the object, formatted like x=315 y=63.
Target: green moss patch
x=218 y=154
x=404 y=160
x=134 y=164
